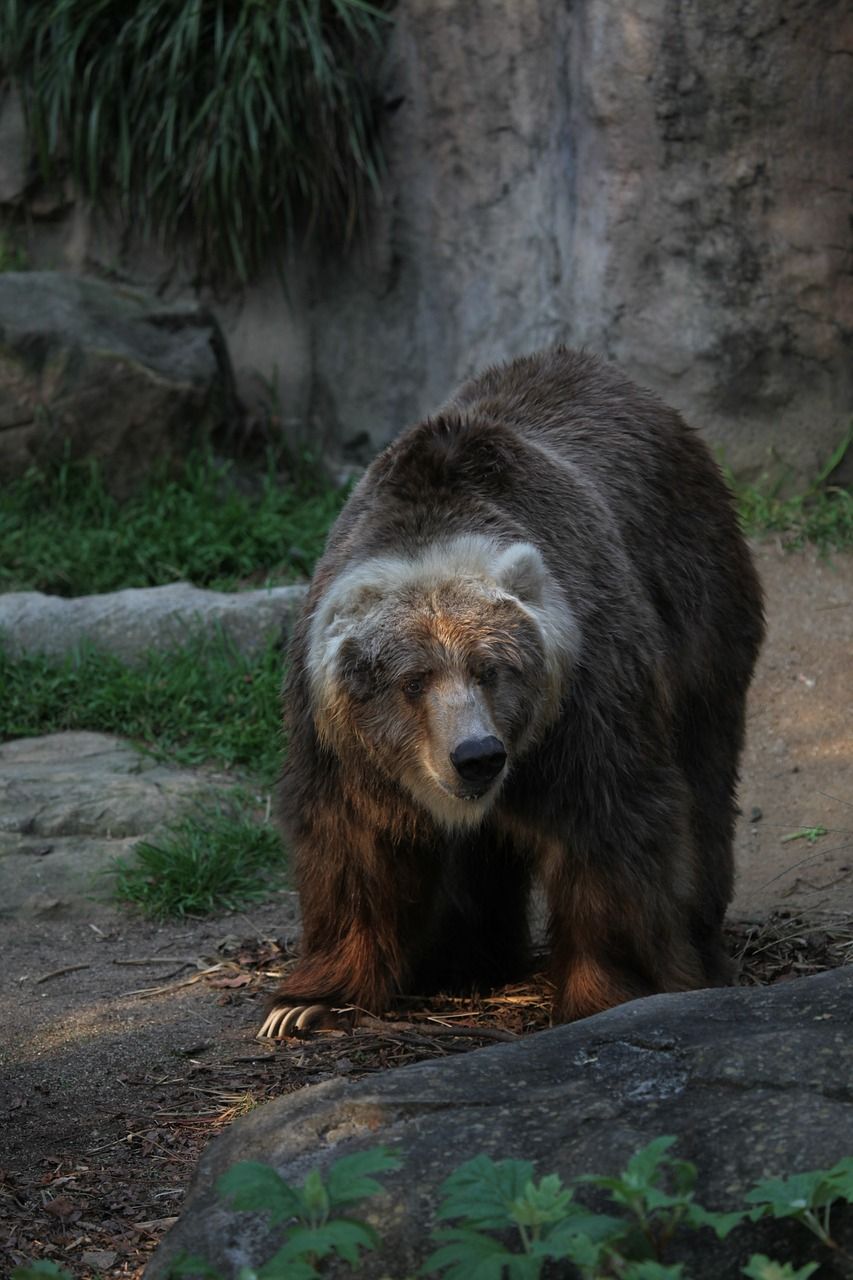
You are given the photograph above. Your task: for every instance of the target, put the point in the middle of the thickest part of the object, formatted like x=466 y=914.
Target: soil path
x=108 y=1094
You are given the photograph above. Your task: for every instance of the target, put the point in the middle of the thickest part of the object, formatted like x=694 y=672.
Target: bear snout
x=479 y=760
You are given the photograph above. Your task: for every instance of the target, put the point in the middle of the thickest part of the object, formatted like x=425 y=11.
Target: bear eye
x=414 y=686
x=486 y=675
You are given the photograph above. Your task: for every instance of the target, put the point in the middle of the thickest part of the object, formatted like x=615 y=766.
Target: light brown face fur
x=406 y=670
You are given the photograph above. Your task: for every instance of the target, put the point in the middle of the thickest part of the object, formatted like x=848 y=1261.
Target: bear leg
x=365 y=907
x=613 y=940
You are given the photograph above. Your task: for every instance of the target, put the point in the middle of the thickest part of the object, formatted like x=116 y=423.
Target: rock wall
x=666 y=182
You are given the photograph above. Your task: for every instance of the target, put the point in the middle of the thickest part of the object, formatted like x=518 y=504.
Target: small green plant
x=201 y=703
x=230 y=127
x=811 y=834
x=316 y=1212
x=654 y=1194
x=808 y=1198
x=822 y=515
x=204 y=862
x=62 y=532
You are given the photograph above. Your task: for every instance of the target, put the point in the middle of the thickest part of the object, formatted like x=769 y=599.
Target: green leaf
x=257 y=1188
x=645 y=1167
x=349 y=1177
x=760 y=1267
x=643 y=1172
x=278 y=1268
x=721 y=1223
x=793 y=1196
x=649 y=1270
x=313 y=1198
x=597 y=1229
x=34 y=1270
x=340 y=1236
x=469 y=1255
x=482 y=1191
x=542 y=1202
x=187 y=1264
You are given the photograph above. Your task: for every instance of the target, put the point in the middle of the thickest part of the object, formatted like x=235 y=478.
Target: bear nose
x=479 y=759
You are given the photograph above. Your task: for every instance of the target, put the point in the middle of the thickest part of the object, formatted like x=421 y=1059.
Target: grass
x=61 y=532
x=201 y=703
x=205 y=703
x=823 y=515
x=202 y=863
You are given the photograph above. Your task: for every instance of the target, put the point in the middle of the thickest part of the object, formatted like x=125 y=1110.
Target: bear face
x=442 y=668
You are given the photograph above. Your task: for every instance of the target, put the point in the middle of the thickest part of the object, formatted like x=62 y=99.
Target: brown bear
x=525 y=652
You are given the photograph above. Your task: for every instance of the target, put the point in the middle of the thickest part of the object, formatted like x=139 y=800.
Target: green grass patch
x=204 y=702
x=823 y=515
x=61 y=531
x=202 y=863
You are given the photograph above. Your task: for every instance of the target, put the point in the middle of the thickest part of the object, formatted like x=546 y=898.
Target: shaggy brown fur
x=619 y=787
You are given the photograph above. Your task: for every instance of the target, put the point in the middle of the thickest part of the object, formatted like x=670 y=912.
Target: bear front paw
x=300 y=1020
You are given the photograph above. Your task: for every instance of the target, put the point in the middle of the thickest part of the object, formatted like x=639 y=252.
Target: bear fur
x=550 y=566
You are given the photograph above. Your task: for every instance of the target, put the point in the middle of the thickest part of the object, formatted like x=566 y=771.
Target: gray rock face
x=72 y=802
x=755 y=1083
x=132 y=622
x=667 y=184
x=121 y=376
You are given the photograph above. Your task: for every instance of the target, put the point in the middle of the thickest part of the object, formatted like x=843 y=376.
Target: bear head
x=442 y=667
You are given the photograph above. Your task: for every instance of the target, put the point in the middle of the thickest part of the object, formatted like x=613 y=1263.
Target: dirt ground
x=128 y=1045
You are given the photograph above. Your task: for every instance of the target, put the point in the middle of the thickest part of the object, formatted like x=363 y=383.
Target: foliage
x=233 y=126
x=508 y=1224
x=201 y=702
x=61 y=531
x=806 y=1197
x=212 y=860
x=317 y=1228
x=654 y=1195
x=823 y=514
x=38 y=1270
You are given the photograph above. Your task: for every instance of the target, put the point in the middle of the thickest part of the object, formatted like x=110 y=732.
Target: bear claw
x=293 y=1020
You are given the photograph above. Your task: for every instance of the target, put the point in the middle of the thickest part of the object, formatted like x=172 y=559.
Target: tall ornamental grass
x=226 y=126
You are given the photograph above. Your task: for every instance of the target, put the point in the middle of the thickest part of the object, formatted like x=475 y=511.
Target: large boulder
x=754 y=1083
x=104 y=372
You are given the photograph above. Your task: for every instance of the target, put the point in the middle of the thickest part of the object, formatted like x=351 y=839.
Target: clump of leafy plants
x=505 y=1224
x=227 y=127
x=317 y=1211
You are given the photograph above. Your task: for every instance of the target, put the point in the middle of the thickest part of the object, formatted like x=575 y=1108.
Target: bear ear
x=521 y=572
x=355 y=670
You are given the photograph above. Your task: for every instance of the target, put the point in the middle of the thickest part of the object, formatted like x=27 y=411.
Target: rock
x=72 y=802
x=668 y=186
x=130 y=623
x=754 y=1083
x=110 y=373
x=13 y=147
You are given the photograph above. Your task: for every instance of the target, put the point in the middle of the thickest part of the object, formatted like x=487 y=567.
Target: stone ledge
x=130 y=623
